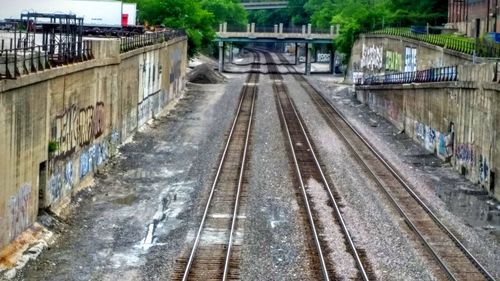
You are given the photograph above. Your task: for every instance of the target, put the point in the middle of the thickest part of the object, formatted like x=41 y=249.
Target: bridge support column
x=231 y=55
x=221 y=56
x=296 y=53
x=332 y=60
x=308 y=58
x=252 y=26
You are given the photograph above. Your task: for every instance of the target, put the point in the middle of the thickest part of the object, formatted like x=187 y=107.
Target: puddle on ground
x=127 y=200
x=477 y=209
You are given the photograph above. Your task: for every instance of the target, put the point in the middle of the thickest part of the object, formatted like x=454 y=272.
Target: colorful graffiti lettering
x=84 y=163
x=323 y=57
x=115 y=137
x=435 y=141
x=420 y=131
x=442 y=145
x=93 y=157
x=68 y=173
x=430 y=138
x=483 y=169
x=19 y=210
x=465 y=154
x=357 y=77
x=371 y=58
x=410 y=59
x=61 y=177
x=392 y=61
x=78 y=127
x=55 y=186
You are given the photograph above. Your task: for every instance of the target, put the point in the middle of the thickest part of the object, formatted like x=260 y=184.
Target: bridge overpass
x=277 y=34
x=265 y=5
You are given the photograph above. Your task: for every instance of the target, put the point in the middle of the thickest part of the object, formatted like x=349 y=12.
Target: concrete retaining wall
x=83 y=112
x=381 y=54
x=457 y=121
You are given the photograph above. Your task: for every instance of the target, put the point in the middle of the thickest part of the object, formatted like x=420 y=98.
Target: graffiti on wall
x=93 y=157
x=392 y=61
x=175 y=71
x=435 y=141
x=78 y=127
x=484 y=169
x=55 y=185
x=150 y=71
x=410 y=59
x=392 y=109
x=371 y=58
x=18 y=207
x=323 y=57
x=420 y=131
x=357 y=77
x=465 y=154
x=61 y=180
x=430 y=138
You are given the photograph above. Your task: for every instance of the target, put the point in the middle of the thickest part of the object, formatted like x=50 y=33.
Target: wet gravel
x=153 y=187
x=474 y=219
x=373 y=224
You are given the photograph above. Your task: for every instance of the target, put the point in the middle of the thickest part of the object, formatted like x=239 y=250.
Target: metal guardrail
x=460 y=44
x=17 y=61
x=440 y=74
x=147 y=39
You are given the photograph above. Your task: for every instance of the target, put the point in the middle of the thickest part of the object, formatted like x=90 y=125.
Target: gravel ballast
x=374 y=225
x=274 y=237
x=438 y=185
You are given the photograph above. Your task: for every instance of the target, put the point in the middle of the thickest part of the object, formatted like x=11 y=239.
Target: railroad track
x=309 y=171
x=216 y=250
x=450 y=254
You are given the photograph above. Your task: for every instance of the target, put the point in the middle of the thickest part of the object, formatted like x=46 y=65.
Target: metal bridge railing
x=17 y=61
x=440 y=74
x=139 y=41
x=465 y=45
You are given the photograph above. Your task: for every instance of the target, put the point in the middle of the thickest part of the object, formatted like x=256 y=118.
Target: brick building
x=474 y=17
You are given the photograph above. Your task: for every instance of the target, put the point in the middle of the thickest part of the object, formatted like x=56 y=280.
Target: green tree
x=358 y=16
x=230 y=11
x=197 y=17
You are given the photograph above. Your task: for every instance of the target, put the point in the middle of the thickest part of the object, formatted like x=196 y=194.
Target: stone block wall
x=59 y=126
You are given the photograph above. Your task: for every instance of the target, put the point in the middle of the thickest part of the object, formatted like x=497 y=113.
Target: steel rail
x=361 y=268
x=304 y=194
x=212 y=191
x=406 y=187
x=240 y=182
x=327 y=187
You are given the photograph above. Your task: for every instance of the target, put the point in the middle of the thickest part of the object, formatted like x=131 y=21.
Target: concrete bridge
x=277 y=34
x=266 y=5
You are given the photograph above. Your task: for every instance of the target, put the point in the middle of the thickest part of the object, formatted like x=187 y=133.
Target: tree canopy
x=199 y=18
x=355 y=16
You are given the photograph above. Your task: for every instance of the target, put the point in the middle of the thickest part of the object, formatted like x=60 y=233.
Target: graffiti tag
x=19 y=210
x=371 y=58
